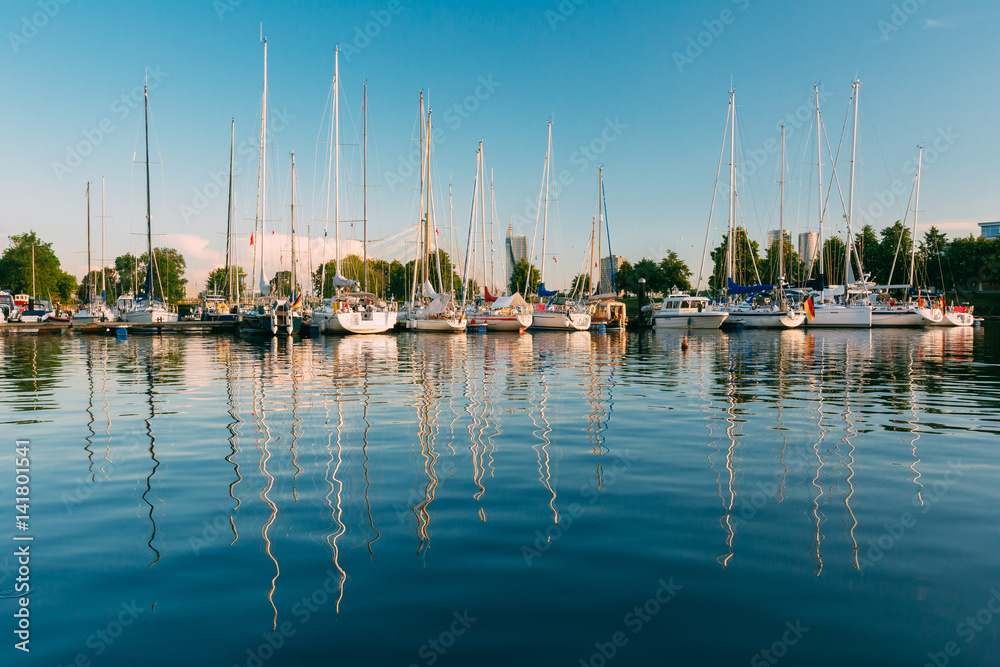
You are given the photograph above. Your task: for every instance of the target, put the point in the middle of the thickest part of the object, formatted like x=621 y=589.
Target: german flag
x=810 y=310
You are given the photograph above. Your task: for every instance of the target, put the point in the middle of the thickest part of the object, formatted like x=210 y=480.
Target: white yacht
x=683 y=311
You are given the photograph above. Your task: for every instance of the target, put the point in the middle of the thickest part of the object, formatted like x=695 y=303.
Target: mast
x=731 y=250
x=417 y=260
x=819 y=181
x=90 y=279
x=326 y=216
x=850 y=200
x=336 y=155
x=291 y=286
x=229 y=212
x=149 y=215
x=261 y=166
x=590 y=272
x=545 y=207
x=781 y=214
x=481 y=180
x=364 y=181
x=600 y=229
x=103 y=283
x=916 y=207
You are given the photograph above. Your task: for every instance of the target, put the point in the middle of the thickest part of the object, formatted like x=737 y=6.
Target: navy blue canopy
x=751 y=289
x=544 y=292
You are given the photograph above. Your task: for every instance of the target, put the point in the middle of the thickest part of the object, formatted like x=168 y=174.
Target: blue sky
x=639 y=87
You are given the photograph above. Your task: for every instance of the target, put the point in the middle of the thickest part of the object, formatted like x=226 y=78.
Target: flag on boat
x=810 y=310
x=251 y=238
x=296 y=300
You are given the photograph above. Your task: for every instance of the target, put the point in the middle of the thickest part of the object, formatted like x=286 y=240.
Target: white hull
x=703 y=320
x=554 y=320
x=149 y=316
x=355 y=323
x=908 y=317
x=760 y=319
x=450 y=325
x=842 y=316
x=501 y=322
x=955 y=320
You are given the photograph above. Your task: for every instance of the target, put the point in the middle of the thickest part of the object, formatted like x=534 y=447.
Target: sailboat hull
x=450 y=325
x=751 y=319
x=952 y=319
x=357 y=323
x=905 y=317
x=149 y=316
x=501 y=322
x=842 y=316
x=554 y=320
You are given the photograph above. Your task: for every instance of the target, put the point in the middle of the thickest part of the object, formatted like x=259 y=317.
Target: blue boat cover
x=544 y=292
x=752 y=289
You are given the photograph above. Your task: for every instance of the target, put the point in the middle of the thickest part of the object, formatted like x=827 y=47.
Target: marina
x=321 y=491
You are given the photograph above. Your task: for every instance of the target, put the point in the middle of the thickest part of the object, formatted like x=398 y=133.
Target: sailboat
x=145 y=307
x=759 y=312
x=216 y=307
x=428 y=310
x=261 y=318
x=567 y=316
x=605 y=309
x=838 y=305
x=350 y=311
x=494 y=313
x=94 y=309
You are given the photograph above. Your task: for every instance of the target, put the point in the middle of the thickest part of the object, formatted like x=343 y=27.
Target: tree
x=90 y=283
x=16 y=267
x=168 y=273
x=129 y=273
x=932 y=248
x=770 y=266
x=745 y=262
x=522 y=271
x=281 y=282
x=674 y=272
x=217 y=280
x=581 y=284
x=399 y=287
x=892 y=260
x=833 y=260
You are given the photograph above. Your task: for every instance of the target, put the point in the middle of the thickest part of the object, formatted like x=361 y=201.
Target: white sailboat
x=145 y=307
x=427 y=310
x=553 y=316
x=757 y=311
x=95 y=309
x=494 y=313
x=349 y=311
x=605 y=309
x=838 y=306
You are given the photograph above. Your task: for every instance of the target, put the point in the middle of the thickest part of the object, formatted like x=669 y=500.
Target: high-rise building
x=772 y=236
x=609 y=282
x=808 y=247
x=517 y=249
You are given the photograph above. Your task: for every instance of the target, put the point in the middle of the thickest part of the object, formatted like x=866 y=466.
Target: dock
x=190 y=326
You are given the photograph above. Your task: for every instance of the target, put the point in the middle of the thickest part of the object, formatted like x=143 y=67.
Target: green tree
x=281 y=283
x=16 y=267
x=892 y=257
x=580 y=284
x=833 y=260
x=674 y=272
x=521 y=272
x=129 y=274
x=168 y=273
x=770 y=266
x=745 y=264
x=932 y=248
x=399 y=286
x=217 y=280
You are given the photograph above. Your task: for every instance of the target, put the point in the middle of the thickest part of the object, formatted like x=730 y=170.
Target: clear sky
x=639 y=87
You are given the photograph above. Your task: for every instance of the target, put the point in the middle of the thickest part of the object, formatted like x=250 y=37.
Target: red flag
x=810 y=310
x=251 y=238
x=555 y=260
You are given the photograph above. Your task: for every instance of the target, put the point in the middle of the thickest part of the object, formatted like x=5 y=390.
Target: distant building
x=517 y=249
x=609 y=282
x=772 y=236
x=990 y=230
x=808 y=247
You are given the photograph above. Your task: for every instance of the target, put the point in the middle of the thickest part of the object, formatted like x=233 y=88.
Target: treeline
x=29 y=266
x=961 y=266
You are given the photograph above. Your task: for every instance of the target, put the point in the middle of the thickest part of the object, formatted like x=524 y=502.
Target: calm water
x=828 y=497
